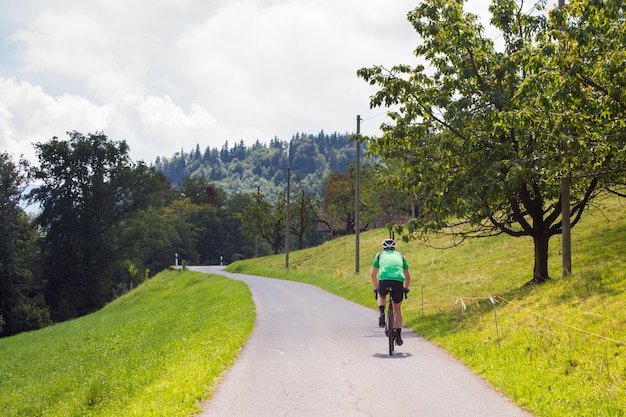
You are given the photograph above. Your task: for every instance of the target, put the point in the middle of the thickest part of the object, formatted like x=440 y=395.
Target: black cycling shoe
x=381 y=320
x=399 y=340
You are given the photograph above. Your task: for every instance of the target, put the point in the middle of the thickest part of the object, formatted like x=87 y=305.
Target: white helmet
x=389 y=244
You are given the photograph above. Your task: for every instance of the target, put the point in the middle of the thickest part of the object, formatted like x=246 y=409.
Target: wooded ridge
x=264 y=166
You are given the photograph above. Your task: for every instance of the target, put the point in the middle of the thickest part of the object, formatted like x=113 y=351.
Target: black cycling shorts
x=397 y=289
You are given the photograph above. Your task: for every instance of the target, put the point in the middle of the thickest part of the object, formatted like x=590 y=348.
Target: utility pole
x=566 y=229
x=357 y=194
x=287 y=198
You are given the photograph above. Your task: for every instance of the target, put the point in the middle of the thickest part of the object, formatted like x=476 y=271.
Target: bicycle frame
x=390 y=322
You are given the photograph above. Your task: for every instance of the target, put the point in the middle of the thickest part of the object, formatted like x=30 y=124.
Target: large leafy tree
x=89 y=190
x=339 y=210
x=265 y=220
x=304 y=211
x=383 y=200
x=340 y=199
x=479 y=130
x=234 y=244
x=21 y=305
x=201 y=190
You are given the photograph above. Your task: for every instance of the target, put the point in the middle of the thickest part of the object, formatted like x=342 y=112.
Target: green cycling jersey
x=391 y=265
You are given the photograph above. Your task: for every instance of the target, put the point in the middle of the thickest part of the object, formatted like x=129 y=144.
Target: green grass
x=156 y=351
x=558 y=349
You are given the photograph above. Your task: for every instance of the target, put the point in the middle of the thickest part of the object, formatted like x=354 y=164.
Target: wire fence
x=496 y=299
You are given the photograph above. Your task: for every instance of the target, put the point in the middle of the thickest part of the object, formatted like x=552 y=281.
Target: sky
x=165 y=75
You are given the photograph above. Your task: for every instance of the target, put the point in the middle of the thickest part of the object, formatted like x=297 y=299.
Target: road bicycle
x=389 y=322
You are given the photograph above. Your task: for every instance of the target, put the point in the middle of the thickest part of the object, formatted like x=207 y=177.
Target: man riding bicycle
x=391 y=270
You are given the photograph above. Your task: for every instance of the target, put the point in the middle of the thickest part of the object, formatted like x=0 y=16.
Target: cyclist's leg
x=397 y=297
x=382 y=293
x=382 y=300
x=397 y=313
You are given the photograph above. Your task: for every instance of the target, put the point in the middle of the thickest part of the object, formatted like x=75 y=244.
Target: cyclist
x=391 y=270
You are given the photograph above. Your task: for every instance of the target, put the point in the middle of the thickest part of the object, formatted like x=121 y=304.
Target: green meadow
x=556 y=349
x=156 y=351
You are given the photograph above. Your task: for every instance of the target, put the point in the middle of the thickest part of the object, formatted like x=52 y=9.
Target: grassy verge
x=556 y=349
x=156 y=351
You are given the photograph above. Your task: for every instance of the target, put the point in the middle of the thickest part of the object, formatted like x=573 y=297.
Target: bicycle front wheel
x=389 y=331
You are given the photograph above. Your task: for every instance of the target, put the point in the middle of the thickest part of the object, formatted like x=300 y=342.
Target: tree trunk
x=540 y=272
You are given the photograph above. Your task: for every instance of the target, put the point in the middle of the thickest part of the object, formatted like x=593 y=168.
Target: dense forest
x=241 y=168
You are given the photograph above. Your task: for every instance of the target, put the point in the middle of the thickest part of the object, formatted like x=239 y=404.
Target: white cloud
x=157 y=113
x=28 y=115
x=163 y=122
x=167 y=74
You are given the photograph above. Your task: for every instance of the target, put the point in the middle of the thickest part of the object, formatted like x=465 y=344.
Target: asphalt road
x=314 y=354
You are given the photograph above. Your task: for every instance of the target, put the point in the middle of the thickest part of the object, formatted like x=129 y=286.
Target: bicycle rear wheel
x=389 y=330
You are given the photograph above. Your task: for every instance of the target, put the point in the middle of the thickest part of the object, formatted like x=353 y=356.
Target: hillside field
x=156 y=351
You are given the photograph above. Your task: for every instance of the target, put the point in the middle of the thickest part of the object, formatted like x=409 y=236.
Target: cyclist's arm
x=374 y=277
x=407 y=278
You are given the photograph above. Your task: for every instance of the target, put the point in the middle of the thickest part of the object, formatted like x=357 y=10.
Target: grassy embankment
x=156 y=351
x=556 y=349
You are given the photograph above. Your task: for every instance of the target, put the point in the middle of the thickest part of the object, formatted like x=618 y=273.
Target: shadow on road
x=398 y=355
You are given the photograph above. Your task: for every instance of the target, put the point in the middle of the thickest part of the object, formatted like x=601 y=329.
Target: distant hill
x=241 y=168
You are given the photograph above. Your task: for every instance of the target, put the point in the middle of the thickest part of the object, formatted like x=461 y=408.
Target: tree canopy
x=89 y=188
x=484 y=132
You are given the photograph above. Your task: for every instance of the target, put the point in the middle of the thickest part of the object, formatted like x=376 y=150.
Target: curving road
x=314 y=354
